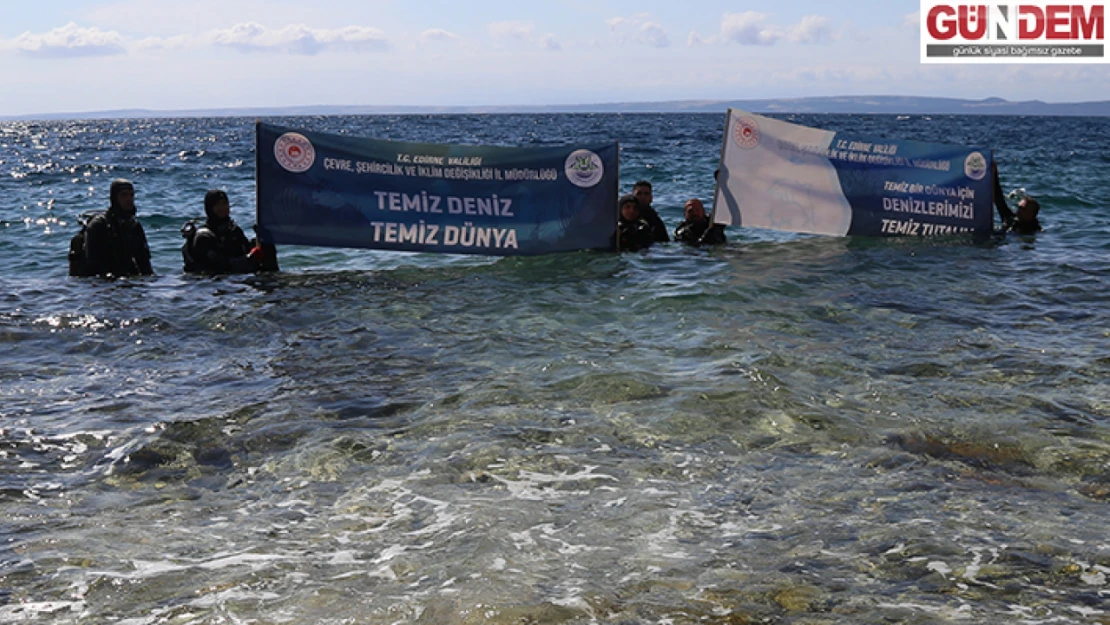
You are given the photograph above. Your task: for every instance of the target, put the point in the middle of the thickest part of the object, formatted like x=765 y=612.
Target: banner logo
x=746 y=133
x=584 y=168
x=294 y=152
x=975 y=166
x=996 y=31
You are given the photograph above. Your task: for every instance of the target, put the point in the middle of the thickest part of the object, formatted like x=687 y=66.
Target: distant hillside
x=879 y=105
x=907 y=105
x=904 y=105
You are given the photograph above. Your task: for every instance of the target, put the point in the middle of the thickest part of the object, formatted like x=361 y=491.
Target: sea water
x=785 y=429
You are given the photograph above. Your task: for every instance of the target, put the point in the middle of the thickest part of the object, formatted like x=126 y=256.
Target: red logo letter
x=939 y=29
x=1084 y=26
x=979 y=17
x=1057 y=16
x=1030 y=22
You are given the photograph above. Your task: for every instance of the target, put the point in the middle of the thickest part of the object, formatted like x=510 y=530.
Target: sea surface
x=787 y=429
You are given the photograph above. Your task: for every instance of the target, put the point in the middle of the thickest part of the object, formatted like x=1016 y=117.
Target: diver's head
x=1028 y=208
x=694 y=210
x=121 y=193
x=217 y=207
x=1025 y=219
x=629 y=207
x=642 y=190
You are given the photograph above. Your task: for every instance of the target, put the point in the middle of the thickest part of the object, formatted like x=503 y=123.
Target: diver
x=1025 y=220
x=643 y=193
x=697 y=229
x=219 y=245
x=633 y=231
x=114 y=241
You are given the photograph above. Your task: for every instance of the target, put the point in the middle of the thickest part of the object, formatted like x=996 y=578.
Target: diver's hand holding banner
x=784 y=176
x=342 y=191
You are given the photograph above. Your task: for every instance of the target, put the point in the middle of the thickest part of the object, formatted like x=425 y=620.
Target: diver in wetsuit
x=115 y=243
x=643 y=193
x=1025 y=220
x=219 y=246
x=697 y=229
x=633 y=232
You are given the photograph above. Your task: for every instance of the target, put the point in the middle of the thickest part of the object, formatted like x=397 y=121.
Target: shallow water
x=788 y=429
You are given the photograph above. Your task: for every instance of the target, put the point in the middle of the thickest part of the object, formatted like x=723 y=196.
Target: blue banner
x=342 y=191
x=785 y=176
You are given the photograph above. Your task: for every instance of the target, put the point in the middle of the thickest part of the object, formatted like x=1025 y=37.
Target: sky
x=59 y=56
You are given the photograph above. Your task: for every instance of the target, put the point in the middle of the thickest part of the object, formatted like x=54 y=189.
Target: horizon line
x=769 y=105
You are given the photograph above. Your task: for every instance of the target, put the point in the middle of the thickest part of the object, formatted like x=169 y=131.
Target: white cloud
x=812 y=29
x=912 y=19
x=653 y=35
x=70 y=40
x=165 y=18
x=512 y=30
x=640 y=29
x=749 y=29
x=176 y=42
x=523 y=31
x=299 y=39
x=75 y=41
x=753 y=29
x=438 y=34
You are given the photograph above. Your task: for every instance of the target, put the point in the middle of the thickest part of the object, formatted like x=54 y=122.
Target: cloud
x=695 y=40
x=166 y=18
x=749 y=29
x=523 y=31
x=812 y=29
x=74 y=41
x=438 y=34
x=298 y=39
x=177 y=42
x=640 y=29
x=653 y=35
x=69 y=41
x=753 y=29
x=549 y=42
x=512 y=30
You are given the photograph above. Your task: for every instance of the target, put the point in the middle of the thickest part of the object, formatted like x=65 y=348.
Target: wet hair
x=212 y=198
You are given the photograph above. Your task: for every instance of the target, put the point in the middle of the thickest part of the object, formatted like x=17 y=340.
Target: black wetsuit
x=1009 y=219
x=658 y=228
x=115 y=245
x=633 y=235
x=220 y=248
x=701 y=232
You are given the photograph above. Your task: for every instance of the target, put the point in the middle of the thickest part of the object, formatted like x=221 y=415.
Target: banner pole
x=257 y=189
x=617 y=228
x=721 y=163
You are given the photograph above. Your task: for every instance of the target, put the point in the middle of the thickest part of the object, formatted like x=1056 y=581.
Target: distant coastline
x=872 y=105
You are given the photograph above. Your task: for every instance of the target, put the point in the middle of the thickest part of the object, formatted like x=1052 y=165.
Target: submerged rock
x=985 y=454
